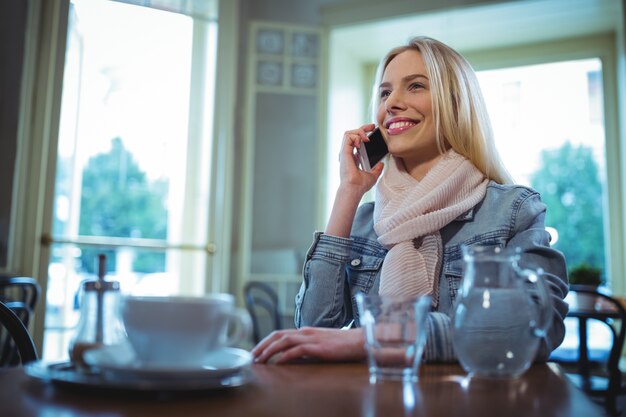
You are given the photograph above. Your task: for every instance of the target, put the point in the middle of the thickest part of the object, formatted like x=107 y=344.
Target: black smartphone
x=373 y=151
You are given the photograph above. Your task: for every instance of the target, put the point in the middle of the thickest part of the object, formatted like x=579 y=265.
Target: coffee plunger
x=99 y=324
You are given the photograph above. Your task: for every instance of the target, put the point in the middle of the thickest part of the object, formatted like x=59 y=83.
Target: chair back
x=20 y=295
x=262 y=304
x=609 y=310
x=17 y=345
x=608 y=303
x=25 y=290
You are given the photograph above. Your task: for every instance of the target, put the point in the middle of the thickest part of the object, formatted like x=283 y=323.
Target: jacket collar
x=465 y=217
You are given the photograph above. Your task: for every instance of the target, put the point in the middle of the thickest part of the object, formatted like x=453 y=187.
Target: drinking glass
x=395 y=333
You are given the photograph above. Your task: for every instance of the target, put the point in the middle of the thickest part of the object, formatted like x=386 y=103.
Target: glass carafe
x=501 y=313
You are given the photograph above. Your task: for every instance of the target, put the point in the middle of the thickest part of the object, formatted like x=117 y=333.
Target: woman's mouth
x=395 y=128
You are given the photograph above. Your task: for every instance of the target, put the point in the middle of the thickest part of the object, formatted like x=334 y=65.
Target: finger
x=360 y=133
x=355 y=139
x=368 y=127
x=272 y=351
x=279 y=345
x=263 y=343
x=378 y=169
x=294 y=353
x=350 y=148
x=269 y=339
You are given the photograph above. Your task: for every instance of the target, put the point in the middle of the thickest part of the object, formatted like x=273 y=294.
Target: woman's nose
x=394 y=101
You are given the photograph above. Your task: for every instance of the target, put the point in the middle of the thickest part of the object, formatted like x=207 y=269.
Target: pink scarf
x=408 y=215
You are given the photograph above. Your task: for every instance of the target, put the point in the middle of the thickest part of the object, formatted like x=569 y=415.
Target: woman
x=443 y=186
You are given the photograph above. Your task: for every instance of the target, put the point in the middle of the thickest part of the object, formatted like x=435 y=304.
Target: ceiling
x=485 y=26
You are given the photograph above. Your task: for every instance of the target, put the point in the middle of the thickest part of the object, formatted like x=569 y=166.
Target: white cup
x=181 y=331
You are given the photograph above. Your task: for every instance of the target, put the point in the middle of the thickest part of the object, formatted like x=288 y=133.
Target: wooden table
x=316 y=390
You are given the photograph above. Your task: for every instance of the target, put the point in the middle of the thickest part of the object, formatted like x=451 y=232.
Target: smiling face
x=405 y=113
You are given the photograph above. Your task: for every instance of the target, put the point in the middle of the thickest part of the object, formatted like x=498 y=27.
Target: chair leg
x=613 y=391
x=611 y=406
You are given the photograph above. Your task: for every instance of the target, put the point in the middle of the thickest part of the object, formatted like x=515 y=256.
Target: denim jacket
x=337 y=268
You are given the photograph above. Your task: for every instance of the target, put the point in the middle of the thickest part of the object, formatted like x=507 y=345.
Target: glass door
x=133 y=171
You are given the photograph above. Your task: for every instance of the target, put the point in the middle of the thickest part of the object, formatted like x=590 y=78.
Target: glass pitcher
x=501 y=314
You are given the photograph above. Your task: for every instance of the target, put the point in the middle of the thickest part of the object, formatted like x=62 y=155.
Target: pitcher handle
x=542 y=297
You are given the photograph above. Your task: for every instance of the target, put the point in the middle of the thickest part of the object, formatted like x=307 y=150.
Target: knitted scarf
x=408 y=215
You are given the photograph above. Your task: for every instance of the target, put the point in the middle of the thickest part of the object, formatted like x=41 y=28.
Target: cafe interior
x=170 y=148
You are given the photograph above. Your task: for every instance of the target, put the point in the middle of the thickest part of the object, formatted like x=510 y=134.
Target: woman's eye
x=384 y=93
x=416 y=86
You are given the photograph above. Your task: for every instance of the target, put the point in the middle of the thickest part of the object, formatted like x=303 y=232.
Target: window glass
x=122 y=186
x=549 y=130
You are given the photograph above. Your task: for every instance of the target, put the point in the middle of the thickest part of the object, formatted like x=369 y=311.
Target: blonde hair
x=460 y=114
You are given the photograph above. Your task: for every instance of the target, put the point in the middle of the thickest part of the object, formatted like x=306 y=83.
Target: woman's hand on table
x=335 y=345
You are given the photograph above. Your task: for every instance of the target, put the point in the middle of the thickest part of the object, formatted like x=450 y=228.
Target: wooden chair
x=599 y=379
x=25 y=290
x=13 y=331
x=262 y=303
x=20 y=295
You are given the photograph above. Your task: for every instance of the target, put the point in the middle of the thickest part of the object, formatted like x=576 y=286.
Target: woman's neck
x=418 y=168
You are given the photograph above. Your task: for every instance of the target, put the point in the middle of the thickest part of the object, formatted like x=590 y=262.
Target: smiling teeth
x=397 y=125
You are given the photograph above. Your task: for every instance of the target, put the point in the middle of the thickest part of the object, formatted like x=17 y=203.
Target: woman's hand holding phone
x=372 y=151
x=352 y=171
x=354 y=181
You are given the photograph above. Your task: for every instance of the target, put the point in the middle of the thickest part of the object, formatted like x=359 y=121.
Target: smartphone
x=373 y=151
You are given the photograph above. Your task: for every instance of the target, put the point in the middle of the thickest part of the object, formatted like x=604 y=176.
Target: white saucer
x=121 y=360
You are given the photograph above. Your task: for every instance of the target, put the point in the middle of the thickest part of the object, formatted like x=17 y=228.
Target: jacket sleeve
x=438 y=346
x=530 y=235
x=324 y=296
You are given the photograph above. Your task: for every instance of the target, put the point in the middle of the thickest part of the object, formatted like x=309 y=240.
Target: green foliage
x=118 y=200
x=585 y=274
x=570 y=187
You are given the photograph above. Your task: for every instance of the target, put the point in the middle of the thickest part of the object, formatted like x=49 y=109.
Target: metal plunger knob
x=100 y=287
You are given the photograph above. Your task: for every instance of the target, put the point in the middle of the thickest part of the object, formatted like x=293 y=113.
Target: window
x=551 y=136
x=546 y=124
x=133 y=170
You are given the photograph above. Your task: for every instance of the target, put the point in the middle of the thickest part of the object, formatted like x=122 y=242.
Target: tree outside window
x=569 y=183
